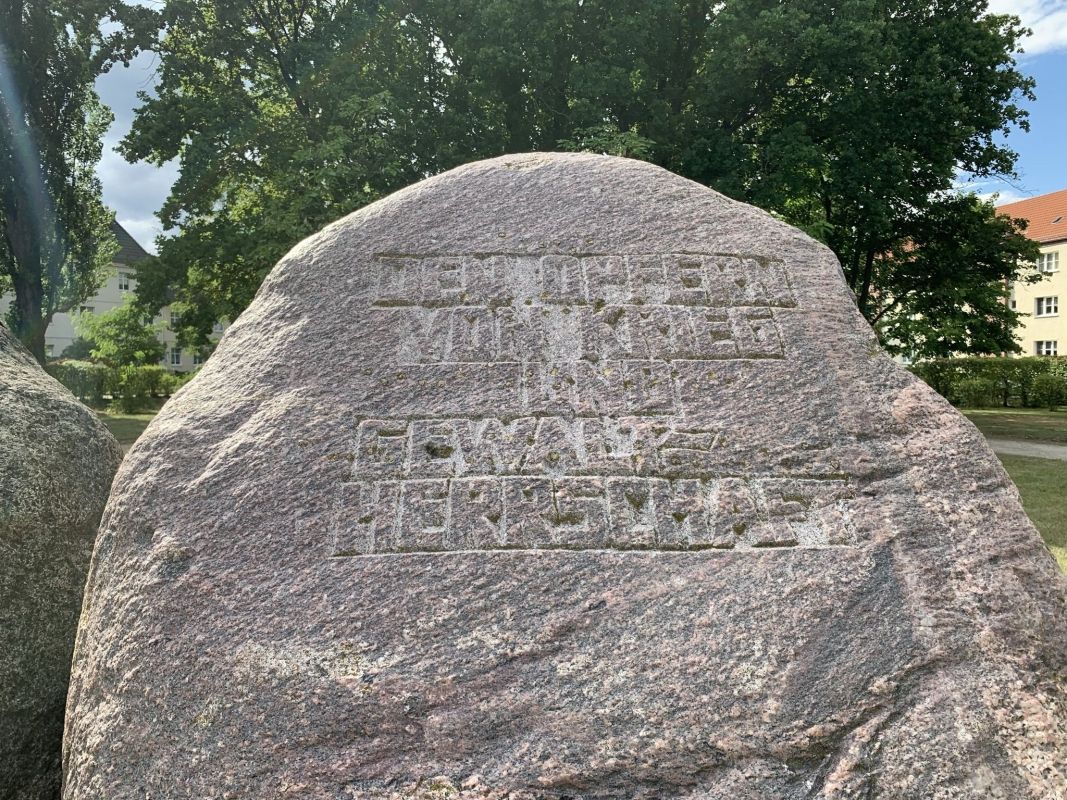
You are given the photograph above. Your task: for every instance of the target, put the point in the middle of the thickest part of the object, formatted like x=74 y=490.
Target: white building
x=62 y=331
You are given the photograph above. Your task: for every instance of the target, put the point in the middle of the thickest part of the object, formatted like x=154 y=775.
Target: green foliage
x=121 y=336
x=87 y=381
x=55 y=237
x=284 y=116
x=129 y=387
x=81 y=349
x=132 y=386
x=171 y=382
x=1050 y=390
x=850 y=120
x=978 y=382
x=608 y=140
x=948 y=277
x=975 y=392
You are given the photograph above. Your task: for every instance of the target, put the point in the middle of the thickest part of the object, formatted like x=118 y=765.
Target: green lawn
x=1020 y=423
x=1042 y=482
x=126 y=427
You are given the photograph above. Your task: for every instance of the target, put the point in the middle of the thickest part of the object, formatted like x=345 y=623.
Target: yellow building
x=1043 y=329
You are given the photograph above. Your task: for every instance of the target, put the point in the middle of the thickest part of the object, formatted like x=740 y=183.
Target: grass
x=1041 y=482
x=1020 y=423
x=126 y=427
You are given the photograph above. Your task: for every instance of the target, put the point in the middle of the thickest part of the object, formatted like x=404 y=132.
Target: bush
x=155 y=379
x=169 y=384
x=87 y=381
x=130 y=388
x=1050 y=390
x=81 y=349
x=176 y=380
x=122 y=337
x=992 y=380
x=975 y=392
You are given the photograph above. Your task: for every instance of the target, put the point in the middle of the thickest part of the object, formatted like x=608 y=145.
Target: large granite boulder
x=559 y=476
x=56 y=465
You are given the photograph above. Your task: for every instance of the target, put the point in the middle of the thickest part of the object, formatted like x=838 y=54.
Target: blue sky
x=1042 y=164
x=136 y=191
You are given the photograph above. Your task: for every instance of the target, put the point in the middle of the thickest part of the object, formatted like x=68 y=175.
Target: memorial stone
x=56 y=465
x=560 y=476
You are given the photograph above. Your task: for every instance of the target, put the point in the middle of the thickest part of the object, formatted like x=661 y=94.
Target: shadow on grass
x=128 y=427
x=1020 y=423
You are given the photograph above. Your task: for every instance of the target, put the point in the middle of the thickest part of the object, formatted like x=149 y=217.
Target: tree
x=121 y=337
x=80 y=349
x=285 y=115
x=55 y=241
x=950 y=274
x=853 y=120
x=850 y=120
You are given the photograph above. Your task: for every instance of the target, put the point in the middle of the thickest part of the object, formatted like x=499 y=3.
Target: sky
x=137 y=191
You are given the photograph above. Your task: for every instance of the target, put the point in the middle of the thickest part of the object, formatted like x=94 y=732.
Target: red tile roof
x=1047 y=214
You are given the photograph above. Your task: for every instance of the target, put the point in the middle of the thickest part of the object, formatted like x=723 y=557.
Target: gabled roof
x=1046 y=213
x=129 y=251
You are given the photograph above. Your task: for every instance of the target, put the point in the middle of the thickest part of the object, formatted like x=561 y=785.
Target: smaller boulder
x=56 y=465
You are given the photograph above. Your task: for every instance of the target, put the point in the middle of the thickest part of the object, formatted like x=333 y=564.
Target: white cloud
x=998 y=190
x=1003 y=196
x=1046 y=18
x=134 y=191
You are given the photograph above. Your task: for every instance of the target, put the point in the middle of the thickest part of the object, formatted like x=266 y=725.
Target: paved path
x=1020 y=447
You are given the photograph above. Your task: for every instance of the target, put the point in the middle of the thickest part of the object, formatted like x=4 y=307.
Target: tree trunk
x=28 y=313
x=30 y=324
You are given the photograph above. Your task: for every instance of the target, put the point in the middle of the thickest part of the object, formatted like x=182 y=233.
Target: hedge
x=1028 y=382
x=87 y=381
x=130 y=388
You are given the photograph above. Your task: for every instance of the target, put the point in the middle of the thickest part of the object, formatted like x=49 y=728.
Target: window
x=86 y=309
x=1048 y=262
x=1046 y=348
x=216 y=327
x=1012 y=302
x=49 y=350
x=175 y=320
x=175 y=356
x=1046 y=306
x=198 y=359
x=124 y=281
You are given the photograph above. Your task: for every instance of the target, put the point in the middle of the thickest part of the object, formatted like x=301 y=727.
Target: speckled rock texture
x=56 y=465
x=560 y=476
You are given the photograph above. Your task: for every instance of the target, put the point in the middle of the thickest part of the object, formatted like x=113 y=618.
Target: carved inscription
x=568 y=512
x=556 y=308
x=574 y=483
x=471 y=334
x=549 y=446
x=592 y=350
x=681 y=279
